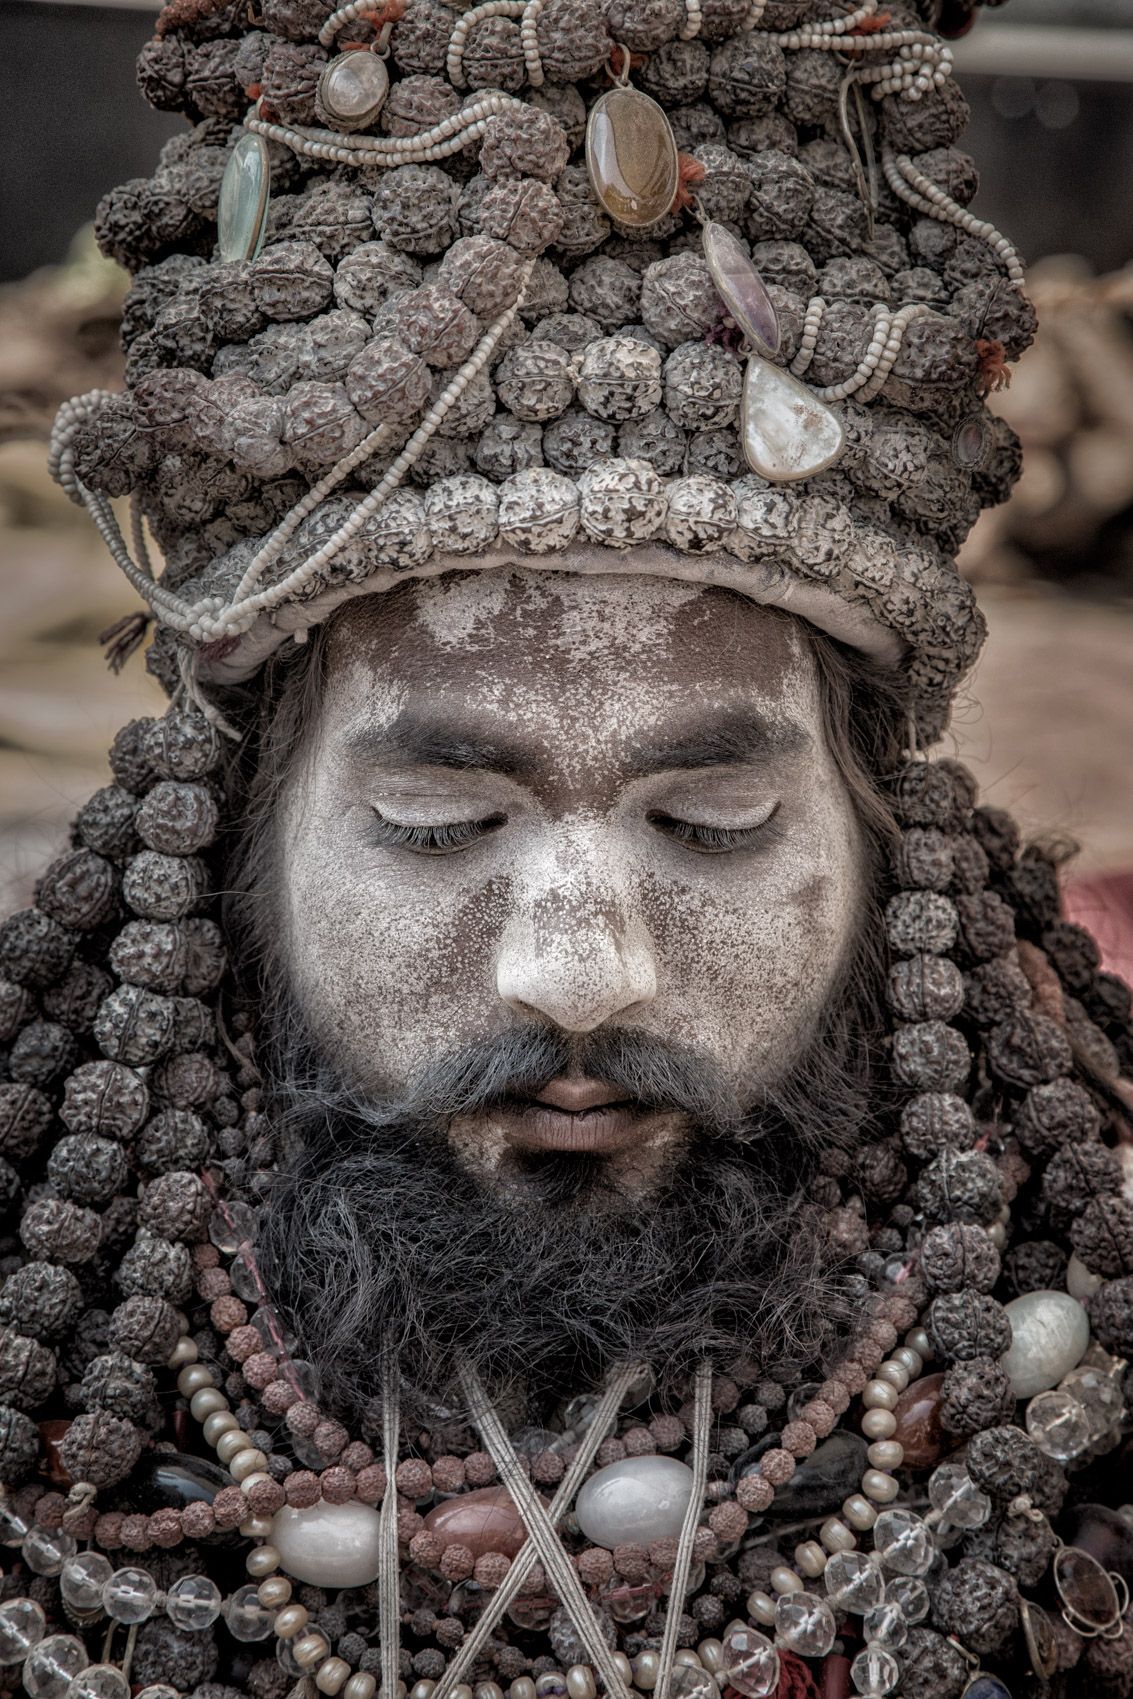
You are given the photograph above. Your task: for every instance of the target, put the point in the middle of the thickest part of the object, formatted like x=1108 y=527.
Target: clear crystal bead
x=689 y=1681
x=13 y=1527
x=243 y=1275
x=193 y=1603
x=277 y=1337
x=46 y=1552
x=875 y=1671
x=886 y=1625
x=130 y=1595
x=82 y=1579
x=854 y=1582
x=805 y=1623
x=99 y=1681
x=903 y=1542
x=1059 y=1425
x=50 y=1667
x=233 y=1227
x=1098 y=1390
x=910 y=1595
x=247 y=1619
x=953 y=1492
x=22 y=1623
x=158 y=1690
x=625 y=1603
x=750 y=1662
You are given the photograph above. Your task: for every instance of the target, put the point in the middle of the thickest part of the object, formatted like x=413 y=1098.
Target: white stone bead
x=223 y=1422
x=231 y=1443
x=1080 y=1283
x=909 y=1360
x=918 y=1340
x=761 y=1608
x=580 y=1682
x=328 y=1545
x=250 y=1461
x=1049 y=1334
x=894 y=1373
x=711 y=1654
x=634 y=1502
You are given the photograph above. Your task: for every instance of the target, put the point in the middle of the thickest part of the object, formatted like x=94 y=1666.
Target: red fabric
x=795 y=1679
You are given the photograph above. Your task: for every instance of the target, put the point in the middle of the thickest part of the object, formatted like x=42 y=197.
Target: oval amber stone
x=484 y=1521
x=631 y=156
x=917 y=1412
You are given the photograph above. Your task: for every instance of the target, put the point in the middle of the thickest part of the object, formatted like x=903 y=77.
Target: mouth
x=572 y=1114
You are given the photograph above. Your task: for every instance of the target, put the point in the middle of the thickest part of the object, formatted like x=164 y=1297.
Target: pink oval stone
x=484 y=1521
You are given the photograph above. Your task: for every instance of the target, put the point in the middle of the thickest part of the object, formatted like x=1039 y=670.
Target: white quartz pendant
x=788 y=433
x=634 y=1502
x=242 y=208
x=353 y=88
x=328 y=1545
x=1049 y=1335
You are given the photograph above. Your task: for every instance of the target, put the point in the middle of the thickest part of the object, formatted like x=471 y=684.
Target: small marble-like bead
x=918 y=1340
x=522 y=1688
x=291 y=1621
x=360 y=1686
x=329 y=1545
x=310 y=1649
x=646 y=1668
x=1049 y=1333
x=274 y=1592
x=640 y=1500
x=580 y=1682
x=230 y=1443
x=711 y=1655
x=879 y=1424
x=262 y=1562
x=894 y=1373
x=250 y=1461
x=909 y=1360
x=332 y=1676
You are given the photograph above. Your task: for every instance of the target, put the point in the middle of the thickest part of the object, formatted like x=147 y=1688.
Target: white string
x=528 y=1555
x=389 y=1570
x=701 y=1427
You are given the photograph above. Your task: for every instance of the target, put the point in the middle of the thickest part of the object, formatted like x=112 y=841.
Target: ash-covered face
x=587 y=804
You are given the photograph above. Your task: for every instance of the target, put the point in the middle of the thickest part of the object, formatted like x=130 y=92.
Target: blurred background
x=1047 y=721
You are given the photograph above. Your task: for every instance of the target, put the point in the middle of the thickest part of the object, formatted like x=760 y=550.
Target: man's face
x=585 y=803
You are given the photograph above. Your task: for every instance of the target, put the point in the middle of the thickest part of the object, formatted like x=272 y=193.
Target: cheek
x=388 y=957
x=750 y=952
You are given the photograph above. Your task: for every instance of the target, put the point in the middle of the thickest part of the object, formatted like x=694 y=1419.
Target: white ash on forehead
x=447 y=329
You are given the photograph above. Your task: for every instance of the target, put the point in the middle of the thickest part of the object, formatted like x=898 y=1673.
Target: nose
x=575 y=950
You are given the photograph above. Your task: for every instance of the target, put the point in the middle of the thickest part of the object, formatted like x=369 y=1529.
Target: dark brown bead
x=974 y=1395
x=918 y=1430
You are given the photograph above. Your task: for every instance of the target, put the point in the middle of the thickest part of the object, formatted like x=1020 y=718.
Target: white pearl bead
x=1049 y=1334
x=835 y=1536
x=909 y=1360
x=223 y=1422
x=918 y=1340
x=886 y=1454
x=194 y=1379
x=810 y=1559
x=711 y=1654
x=895 y=1374
x=879 y=1395
x=761 y=1607
x=360 y=1686
x=328 y=1545
x=878 y=1486
x=859 y=1512
x=646 y=1669
x=784 y=1580
x=879 y=1424
x=250 y=1461
x=230 y=1444
x=580 y=1682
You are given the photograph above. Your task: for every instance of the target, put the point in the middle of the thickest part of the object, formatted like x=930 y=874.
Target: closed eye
x=714 y=840
x=445 y=839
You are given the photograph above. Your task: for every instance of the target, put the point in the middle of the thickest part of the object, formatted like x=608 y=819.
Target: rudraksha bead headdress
x=671 y=286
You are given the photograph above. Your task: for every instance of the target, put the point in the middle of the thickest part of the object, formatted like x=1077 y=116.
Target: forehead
x=555 y=646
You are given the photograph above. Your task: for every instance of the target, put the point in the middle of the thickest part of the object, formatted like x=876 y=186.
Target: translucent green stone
x=242 y=213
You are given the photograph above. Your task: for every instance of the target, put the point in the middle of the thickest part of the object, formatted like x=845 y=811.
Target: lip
x=573 y=1114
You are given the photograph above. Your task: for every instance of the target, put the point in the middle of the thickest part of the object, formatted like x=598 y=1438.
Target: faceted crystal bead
x=805 y=1623
x=688 y=1681
x=875 y=1671
x=625 y=1603
x=22 y=1623
x=130 y=1595
x=243 y=1274
x=352 y=89
x=741 y=288
x=532 y=1615
x=1086 y=1590
x=13 y=1527
x=886 y=1625
x=579 y=1412
x=750 y=1662
x=193 y=1602
x=788 y=433
x=81 y=1582
x=854 y=1582
x=99 y=1681
x=276 y=1337
x=530 y=1441
x=1058 y=1424
x=909 y=1595
x=903 y=1543
x=235 y=1225
x=952 y=1491
x=639 y=1500
x=242 y=215
x=247 y=1619
x=50 y=1667
x=632 y=157
x=46 y=1552
x=1099 y=1393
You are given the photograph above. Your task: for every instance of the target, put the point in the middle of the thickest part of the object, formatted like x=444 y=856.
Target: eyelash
x=712 y=840
x=462 y=834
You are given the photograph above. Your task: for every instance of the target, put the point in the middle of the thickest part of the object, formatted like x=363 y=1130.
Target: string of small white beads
x=693 y=20
x=879 y=1486
x=454 y=64
x=297 y=580
x=812 y=324
x=919 y=191
x=289 y=524
x=529 y=41
x=920 y=62
x=438 y=142
x=347 y=15
x=755 y=16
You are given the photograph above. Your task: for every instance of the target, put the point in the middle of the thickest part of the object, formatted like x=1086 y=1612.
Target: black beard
x=377 y=1239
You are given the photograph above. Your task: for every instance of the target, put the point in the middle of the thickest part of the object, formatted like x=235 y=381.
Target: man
x=615 y=1153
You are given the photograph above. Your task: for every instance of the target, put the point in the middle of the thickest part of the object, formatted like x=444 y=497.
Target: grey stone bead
x=417 y=103
x=40 y=1300
x=572 y=331
x=936 y=1121
x=134 y=1026
x=576 y=440
x=484 y=273
x=419 y=41
x=388 y=381
x=493 y=56
x=27 y=1371
x=414 y=209
x=523 y=212
x=787 y=264
x=536 y=380
x=100 y=1448
x=619 y=378
x=813 y=80
x=525 y=141
x=961 y=1185
x=573 y=39
x=156 y=1267
x=87 y=1168
x=694 y=124
x=584 y=226
x=931 y=1056
x=370 y=273
x=925 y=988
x=780 y=196
x=461 y=513
x=120 y=1385
x=726 y=187
x=56 y=1230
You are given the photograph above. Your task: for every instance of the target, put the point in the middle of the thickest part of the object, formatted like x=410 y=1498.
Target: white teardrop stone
x=634 y=1502
x=1049 y=1335
x=329 y=1545
x=1080 y=1283
x=788 y=433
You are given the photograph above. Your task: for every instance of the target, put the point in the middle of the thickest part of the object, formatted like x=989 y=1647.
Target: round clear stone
x=193 y=1603
x=82 y=1579
x=99 y=1681
x=13 y=1527
x=952 y=1491
x=854 y=1582
x=353 y=88
x=750 y=1662
x=689 y=1681
x=886 y=1625
x=1059 y=1425
x=247 y=1619
x=46 y=1552
x=875 y=1671
x=130 y=1595
x=233 y=1227
x=909 y=1595
x=22 y=1623
x=805 y=1623
x=903 y=1542
x=1099 y=1393
x=50 y=1667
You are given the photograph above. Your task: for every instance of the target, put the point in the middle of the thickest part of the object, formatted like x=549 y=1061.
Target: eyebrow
x=731 y=738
